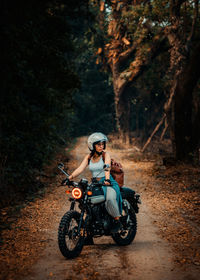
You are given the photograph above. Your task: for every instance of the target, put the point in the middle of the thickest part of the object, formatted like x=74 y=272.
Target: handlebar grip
x=66 y=182
x=63 y=182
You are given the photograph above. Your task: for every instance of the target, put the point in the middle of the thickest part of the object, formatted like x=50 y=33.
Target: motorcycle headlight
x=77 y=193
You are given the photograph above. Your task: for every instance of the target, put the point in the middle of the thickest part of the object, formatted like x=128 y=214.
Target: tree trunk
x=122 y=111
x=117 y=92
x=118 y=114
x=169 y=110
x=125 y=119
x=184 y=63
x=186 y=134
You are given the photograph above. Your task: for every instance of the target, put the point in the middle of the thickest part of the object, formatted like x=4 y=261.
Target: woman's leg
x=116 y=187
x=111 y=203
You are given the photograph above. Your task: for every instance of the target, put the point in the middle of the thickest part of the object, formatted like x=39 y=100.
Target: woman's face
x=99 y=147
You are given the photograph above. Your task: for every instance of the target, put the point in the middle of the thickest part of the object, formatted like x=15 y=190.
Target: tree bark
x=186 y=134
x=184 y=63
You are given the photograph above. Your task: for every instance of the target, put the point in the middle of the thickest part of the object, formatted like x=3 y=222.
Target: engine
x=101 y=220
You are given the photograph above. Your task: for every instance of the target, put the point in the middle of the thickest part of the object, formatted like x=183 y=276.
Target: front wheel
x=129 y=227
x=69 y=241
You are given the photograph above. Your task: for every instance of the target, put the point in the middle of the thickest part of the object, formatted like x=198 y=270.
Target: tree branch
x=164 y=130
x=154 y=132
x=137 y=67
x=127 y=53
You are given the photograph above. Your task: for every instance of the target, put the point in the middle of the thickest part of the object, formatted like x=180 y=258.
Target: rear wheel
x=129 y=227
x=70 y=243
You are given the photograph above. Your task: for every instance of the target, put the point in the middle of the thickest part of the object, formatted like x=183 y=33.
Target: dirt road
x=148 y=257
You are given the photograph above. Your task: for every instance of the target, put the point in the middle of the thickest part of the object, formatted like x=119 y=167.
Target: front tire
x=127 y=234
x=70 y=243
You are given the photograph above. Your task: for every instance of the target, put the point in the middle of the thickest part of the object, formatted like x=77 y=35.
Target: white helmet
x=95 y=138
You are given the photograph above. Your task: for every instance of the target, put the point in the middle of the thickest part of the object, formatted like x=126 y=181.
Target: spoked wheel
x=70 y=243
x=129 y=227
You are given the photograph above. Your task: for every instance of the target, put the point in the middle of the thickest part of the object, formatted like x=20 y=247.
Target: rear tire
x=120 y=237
x=70 y=244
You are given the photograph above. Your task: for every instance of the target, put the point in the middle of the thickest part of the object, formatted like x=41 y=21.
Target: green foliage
x=94 y=104
x=52 y=90
x=94 y=101
x=37 y=89
x=149 y=96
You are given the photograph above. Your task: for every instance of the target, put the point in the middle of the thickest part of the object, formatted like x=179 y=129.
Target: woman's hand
x=107 y=182
x=65 y=182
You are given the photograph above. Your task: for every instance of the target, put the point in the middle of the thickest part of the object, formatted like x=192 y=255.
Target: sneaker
x=116 y=226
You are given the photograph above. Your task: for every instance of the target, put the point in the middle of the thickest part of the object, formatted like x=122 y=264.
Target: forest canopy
x=141 y=37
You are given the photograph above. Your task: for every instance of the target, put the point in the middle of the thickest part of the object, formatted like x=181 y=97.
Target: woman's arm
x=107 y=161
x=80 y=169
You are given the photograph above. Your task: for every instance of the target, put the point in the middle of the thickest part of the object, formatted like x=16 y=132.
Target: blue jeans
x=116 y=187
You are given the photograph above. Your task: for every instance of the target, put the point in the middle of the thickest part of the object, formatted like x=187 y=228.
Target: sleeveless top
x=97 y=168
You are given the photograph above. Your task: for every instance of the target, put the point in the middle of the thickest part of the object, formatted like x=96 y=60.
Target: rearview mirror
x=61 y=165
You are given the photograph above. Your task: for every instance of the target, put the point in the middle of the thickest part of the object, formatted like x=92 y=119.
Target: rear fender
x=129 y=195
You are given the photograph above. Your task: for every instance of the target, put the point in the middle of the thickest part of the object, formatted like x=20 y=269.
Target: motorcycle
x=78 y=228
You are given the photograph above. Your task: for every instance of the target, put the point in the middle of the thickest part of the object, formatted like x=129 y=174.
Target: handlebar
x=68 y=183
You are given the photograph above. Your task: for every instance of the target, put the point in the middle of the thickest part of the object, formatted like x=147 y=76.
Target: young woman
x=97 y=145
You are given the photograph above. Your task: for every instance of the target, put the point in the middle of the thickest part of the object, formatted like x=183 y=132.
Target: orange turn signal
x=67 y=191
x=89 y=192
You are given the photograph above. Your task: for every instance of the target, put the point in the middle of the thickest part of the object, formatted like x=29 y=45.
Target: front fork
x=72 y=204
x=79 y=231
